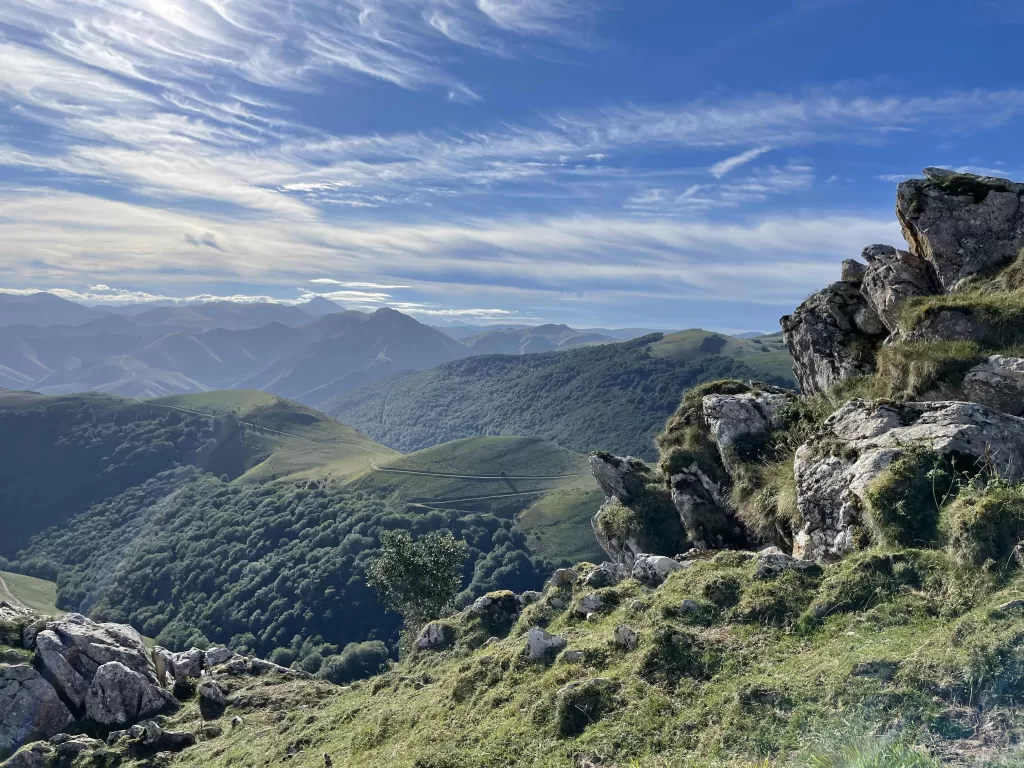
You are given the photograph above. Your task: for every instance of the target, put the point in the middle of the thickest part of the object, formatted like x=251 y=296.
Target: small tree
x=418 y=578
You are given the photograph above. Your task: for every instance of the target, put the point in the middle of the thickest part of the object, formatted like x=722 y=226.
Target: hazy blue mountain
x=42 y=309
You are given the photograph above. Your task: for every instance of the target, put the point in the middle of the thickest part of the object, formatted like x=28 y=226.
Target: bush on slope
x=266 y=568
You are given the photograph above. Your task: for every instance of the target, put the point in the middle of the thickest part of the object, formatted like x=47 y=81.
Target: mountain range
x=311 y=352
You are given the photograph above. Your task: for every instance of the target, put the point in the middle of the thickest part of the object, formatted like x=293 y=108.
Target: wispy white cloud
x=722 y=167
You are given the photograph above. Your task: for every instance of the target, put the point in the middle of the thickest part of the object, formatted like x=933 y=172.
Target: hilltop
x=611 y=396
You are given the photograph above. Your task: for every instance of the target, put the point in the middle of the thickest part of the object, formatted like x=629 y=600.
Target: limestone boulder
x=30 y=708
x=857 y=444
x=435 y=637
x=741 y=423
x=997 y=383
x=892 y=277
x=543 y=645
x=119 y=696
x=963 y=225
x=652 y=570
x=831 y=337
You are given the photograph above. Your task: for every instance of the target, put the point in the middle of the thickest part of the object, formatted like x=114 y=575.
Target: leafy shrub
x=355 y=662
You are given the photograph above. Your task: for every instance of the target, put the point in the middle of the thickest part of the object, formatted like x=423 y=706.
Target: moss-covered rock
x=986 y=524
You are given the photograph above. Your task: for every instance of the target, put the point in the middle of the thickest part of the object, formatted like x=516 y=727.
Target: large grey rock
x=652 y=570
x=852 y=271
x=590 y=603
x=964 y=225
x=210 y=691
x=30 y=708
x=831 y=336
x=702 y=504
x=858 y=442
x=52 y=654
x=892 y=277
x=86 y=645
x=216 y=656
x=623 y=477
x=952 y=324
x=741 y=422
x=435 y=637
x=997 y=383
x=119 y=696
x=606 y=575
x=188 y=665
x=542 y=645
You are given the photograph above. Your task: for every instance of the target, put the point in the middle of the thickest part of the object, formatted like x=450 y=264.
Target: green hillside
x=612 y=397
x=283 y=438
x=547 y=488
x=38 y=594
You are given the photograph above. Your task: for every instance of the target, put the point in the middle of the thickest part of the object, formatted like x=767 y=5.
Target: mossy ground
x=905 y=644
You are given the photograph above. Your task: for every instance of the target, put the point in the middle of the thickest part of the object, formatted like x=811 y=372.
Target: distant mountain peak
x=320 y=306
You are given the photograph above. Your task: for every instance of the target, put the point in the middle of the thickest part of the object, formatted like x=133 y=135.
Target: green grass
x=766 y=355
x=558 y=526
x=37 y=594
x=294 y=442
x=547 y=488
x=726 y=686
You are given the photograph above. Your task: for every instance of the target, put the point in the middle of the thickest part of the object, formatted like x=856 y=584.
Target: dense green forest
x=277 y=569
x=612 y=397
x=59 y=455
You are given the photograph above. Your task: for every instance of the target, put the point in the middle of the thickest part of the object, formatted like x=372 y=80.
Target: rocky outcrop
x=997 y=383
x=892 y=277
x=963 y=225
x=832 y=336
x=638 y=515
x=859 y=442
x=119 y=696
x=622 y=477
x=740 y=424
x=29 y=708
x=703 y=507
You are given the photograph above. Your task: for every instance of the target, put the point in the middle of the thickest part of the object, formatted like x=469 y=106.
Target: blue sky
x=658 y=164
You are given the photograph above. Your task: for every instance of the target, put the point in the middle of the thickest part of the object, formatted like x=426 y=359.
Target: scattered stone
x=652 y=570
x=541 y=645
x=625 y=637
x=963 y=225
x=158 y=739
x=831 y=337
x=558 y=603
x=217 y=656
x=857 y=444
x=188 y=665
x=688 y=607
x=491 y=641
x=771 y=564
x=606 y=575
x=212 y=731
x=29 y=708
x=1012 y=605
x=572 y=657
x=236 y=722
x=212 y=693
x=592 y=603
x=119 y=696
x=435 y=637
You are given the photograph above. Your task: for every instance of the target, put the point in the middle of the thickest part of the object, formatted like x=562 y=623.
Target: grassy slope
x=554 y=511
x=37 y=594
x=297 y=441
x=766 y=355
x=935 y=664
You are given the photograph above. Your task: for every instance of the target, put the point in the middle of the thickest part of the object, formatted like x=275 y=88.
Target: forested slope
x=610 y=397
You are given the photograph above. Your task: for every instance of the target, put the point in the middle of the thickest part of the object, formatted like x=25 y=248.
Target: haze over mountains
x=311 y=352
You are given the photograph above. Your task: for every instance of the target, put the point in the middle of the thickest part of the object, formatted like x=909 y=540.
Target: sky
x=654 y=163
